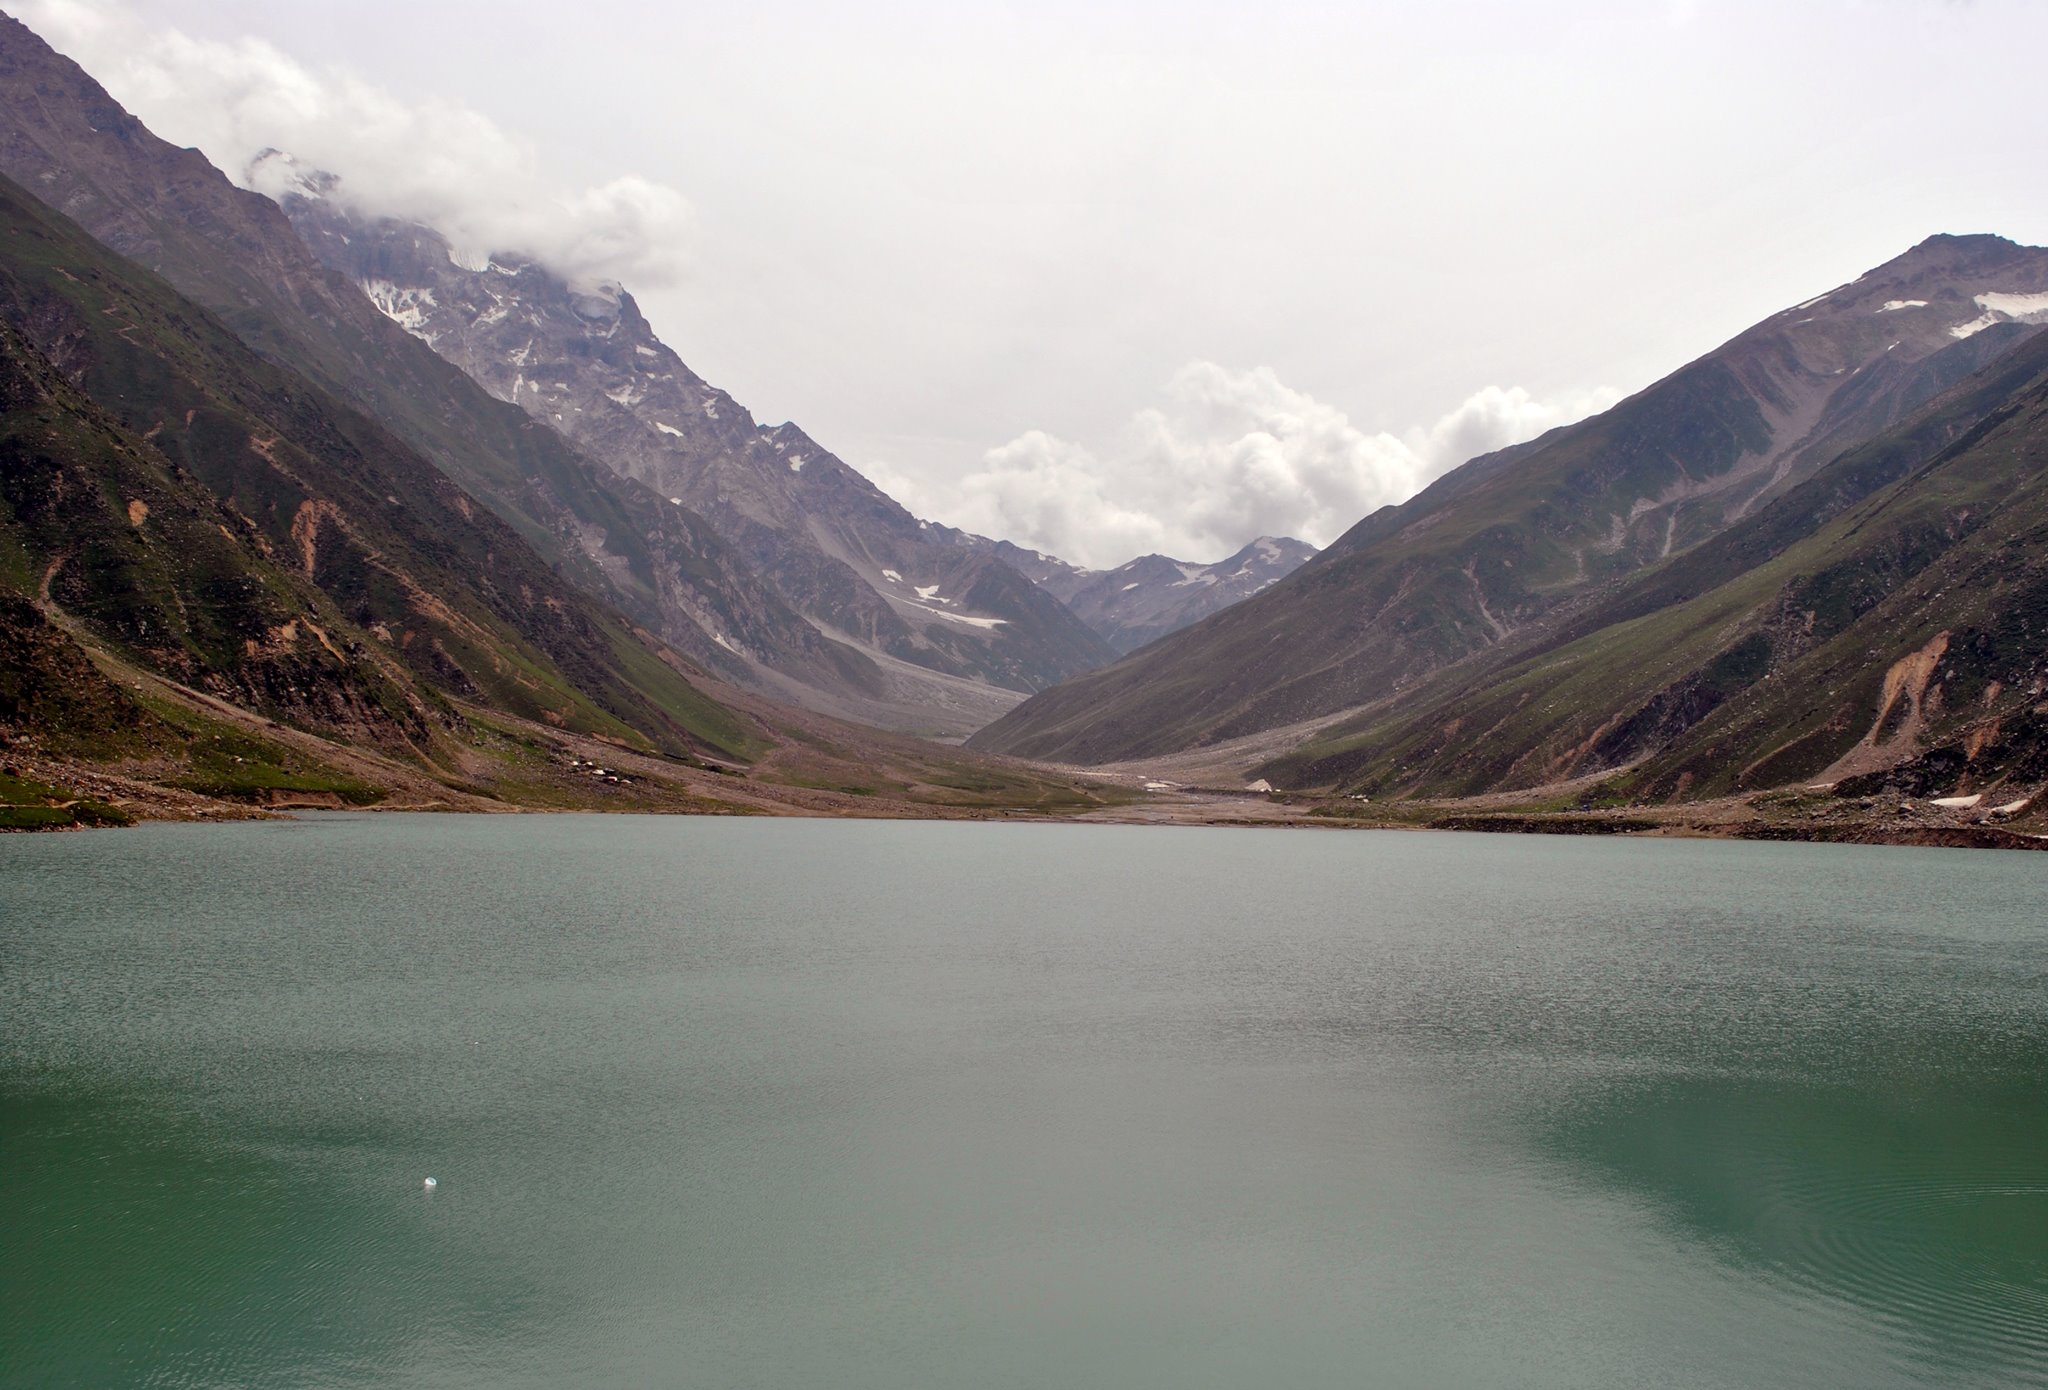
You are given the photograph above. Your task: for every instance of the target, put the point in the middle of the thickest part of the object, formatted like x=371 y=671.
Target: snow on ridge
x=2028 y=308
x=2000 y=307
x=1892 y=306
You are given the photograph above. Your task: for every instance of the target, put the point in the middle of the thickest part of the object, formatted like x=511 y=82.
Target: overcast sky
x=1122 y=276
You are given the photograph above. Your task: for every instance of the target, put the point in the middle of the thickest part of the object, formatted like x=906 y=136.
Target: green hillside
x=1884 y=623
x=237 y=528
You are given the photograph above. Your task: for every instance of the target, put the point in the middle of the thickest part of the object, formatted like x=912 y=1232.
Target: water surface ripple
x=787 y=1103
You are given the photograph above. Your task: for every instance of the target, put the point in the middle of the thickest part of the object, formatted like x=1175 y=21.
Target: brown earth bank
x=1811 y=814
x=827 y=768
x=210 y=759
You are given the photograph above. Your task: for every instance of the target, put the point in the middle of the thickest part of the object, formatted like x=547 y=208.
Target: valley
x=308 y=506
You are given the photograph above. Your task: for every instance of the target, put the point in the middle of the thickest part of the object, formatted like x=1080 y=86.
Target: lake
x=790 y=1103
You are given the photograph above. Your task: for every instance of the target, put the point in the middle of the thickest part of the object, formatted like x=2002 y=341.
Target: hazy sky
x=1114 y=277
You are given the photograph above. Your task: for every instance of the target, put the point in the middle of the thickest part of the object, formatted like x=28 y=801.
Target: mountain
x=1881 y=627
x=222 y=585
x=584 y=361
x=1521 y=540
x=222 y=523
x=1145 y=599
x=234 y=252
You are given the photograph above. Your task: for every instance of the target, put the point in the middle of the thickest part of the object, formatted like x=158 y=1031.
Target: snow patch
x=1892 y=306
x=2028 y=308
x=929 y=593
x=668 y=429
x=1127 y=588
x=403 y=305
x=796 y=462
x=623 y=396
x=1958 y=803
x=892 y=576
x=963 y=618
x=1999 y=307
x=677 y=500
x=646 y=352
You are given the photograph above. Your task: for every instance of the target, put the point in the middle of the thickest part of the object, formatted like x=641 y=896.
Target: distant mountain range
x=294 y=499
x=1525 y=537
x=906 y=596
x=1153 y=595
x=827 y=540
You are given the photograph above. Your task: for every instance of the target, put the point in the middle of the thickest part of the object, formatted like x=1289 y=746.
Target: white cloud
x=429 y=160
x=1226 y=456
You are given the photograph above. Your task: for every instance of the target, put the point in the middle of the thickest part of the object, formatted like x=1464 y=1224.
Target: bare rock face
x=583 y=360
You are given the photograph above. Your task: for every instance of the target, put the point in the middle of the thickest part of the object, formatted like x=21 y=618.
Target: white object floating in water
x=431 y=1183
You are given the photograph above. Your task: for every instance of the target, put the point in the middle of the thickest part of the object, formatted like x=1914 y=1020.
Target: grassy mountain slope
x=234 y=252
x=1522 y=539
x=1885 y=621
x=376 y=577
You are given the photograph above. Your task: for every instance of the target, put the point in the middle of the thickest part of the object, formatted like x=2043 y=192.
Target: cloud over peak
x=427 y=160
x=1225 y=456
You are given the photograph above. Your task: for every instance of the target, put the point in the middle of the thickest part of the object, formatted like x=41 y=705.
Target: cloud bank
x=430 y=161
x=1225 y=457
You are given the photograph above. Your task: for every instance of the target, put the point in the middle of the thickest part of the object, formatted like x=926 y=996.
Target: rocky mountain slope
x=170 y=497
x=1525 y=538
x=224 y=589
x=233 y=251
x=1145 y=599
x=1882 y=628
x=586 y=363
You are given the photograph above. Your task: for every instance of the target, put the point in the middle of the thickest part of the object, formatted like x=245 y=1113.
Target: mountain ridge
x=588 y=364
x=1524 y=535
x=233 y=251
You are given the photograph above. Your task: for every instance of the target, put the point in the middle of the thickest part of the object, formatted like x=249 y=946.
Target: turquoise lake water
x=831 y=1103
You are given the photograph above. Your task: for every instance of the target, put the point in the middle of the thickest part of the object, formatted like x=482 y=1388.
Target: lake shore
x=651 y=786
